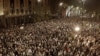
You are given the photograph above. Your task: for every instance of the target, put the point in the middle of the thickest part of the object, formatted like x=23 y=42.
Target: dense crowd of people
x=51 y=38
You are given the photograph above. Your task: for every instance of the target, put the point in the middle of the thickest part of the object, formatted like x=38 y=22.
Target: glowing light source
x=77 y=8
x=22 y=27
x=77 y=28
x=61 y=4
x=39 y=0
x=1 y=13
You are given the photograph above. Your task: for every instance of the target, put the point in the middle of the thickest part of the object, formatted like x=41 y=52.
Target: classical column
x=6 y=7
x=22 y=6
x=32 y=5
x=26 y=6
x=17 y=6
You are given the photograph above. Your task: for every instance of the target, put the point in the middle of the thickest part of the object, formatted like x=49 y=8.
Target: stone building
x=21 y=7
x=12 y=11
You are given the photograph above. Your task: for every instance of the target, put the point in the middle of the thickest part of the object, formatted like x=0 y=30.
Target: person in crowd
x=51 y=38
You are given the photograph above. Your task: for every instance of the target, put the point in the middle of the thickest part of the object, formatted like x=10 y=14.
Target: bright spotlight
x=77 y=28
x=39 y=0
x=22 y=27
x=61 y=4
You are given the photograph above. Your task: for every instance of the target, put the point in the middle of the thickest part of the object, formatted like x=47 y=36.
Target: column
x=17 y=6
x=26 y=6
x=6 y=7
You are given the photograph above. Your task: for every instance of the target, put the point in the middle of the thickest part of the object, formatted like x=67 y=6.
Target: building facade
x=22 y=7
x=13 y=12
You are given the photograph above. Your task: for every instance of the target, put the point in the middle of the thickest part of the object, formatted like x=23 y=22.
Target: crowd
x=51 y=38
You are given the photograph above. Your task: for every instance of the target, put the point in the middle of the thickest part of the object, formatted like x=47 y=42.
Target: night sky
x=92 y=5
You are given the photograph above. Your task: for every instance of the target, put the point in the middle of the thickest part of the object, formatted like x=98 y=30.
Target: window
x=17 y=11
x=12 y=4
x=29 y=4
x=22 y=5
